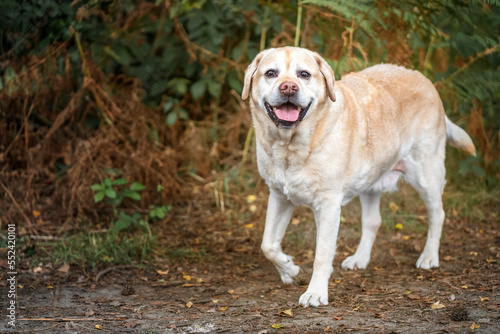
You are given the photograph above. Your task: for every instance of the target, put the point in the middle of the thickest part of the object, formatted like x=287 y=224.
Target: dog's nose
x=288 y=88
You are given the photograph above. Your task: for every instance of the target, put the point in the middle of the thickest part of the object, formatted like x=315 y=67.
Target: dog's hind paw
x=354 y=262
x=288 y=271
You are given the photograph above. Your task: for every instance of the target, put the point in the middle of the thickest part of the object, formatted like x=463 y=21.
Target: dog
x=321 y=142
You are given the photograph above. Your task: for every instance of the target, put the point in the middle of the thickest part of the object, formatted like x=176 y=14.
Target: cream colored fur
x=358 y=137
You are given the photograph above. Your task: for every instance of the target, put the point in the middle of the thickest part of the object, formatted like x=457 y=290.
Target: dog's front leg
x=327 y=223
x=279 y=213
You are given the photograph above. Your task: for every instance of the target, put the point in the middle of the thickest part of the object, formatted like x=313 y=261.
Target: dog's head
x=288 y=83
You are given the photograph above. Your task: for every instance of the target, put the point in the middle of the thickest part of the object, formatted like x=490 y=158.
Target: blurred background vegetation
x=120 y=117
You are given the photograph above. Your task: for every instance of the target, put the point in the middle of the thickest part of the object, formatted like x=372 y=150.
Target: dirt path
x=239 y=291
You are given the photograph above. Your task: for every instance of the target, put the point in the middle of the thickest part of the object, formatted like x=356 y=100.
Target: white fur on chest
x=291 y=174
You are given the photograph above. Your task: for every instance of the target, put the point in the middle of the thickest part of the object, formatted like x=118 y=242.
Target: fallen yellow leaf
x=489 y=260
x=162 y=272
x=187 y=277
x=223 y=308
x=398 y=226
x=484 y=299
x=252 y=208
x=474 y=326
x=251 y=199
x=64 y=268
x=406 y=237
x=36 y=213
x=295 y=221
x=277 y=326
x=437 y=305
x=473 y=253
x=393 y=206
x=357 y=308
x=98 y=326
x=215 y=301
x=187 y=285
x=50 y=287
x=249 y=226
x=189 y=304
x=286 y=313
x=230 y=291
x=465 y=287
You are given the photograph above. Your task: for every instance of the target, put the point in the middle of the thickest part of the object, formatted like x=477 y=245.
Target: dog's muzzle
x=287 y=115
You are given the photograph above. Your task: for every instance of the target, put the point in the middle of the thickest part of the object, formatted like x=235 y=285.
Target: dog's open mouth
x=286 y=115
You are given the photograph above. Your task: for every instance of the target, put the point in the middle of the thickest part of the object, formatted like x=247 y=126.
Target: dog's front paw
x=354 y=262
x=313 y=298
x=428 y=260
x=288 y=271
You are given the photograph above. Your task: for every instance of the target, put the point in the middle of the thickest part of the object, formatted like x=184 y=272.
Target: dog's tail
x=457 y=137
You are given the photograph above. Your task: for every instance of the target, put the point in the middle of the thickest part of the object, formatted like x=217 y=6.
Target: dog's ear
x=327 y=72
x=247 y=84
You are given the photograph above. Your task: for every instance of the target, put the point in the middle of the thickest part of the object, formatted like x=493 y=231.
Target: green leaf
x=98 y=196
x=132 y=194
x=159 y=188
x=183 y=113
x=198 y=89
x=113 y=171
x=96 y=187
x=120 y=182
x=110 y=193
x=121 y=224
x=171 y=118
x=168 y=105
x=136 y=186
x=157 y=213
x=123 y=55
x=108 y=182
x=478 y=171
x=214 y=88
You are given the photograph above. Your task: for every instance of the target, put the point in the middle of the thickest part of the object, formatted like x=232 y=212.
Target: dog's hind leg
x=370 y=220
x=428 y=178
x=279 y=213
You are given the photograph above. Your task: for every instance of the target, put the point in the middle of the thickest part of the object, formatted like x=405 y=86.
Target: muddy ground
x=234 y=289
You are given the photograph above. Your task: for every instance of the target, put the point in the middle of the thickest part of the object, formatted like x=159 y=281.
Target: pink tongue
x=287 y=113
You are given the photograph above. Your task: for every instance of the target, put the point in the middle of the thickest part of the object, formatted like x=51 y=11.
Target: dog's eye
x=304 y=74
x=271 y=74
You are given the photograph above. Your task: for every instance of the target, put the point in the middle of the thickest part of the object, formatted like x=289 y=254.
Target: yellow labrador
x=320 y=143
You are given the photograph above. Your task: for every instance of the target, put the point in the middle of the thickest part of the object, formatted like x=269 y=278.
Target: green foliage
x=115 y=192
x=95 y=249
x=187 y=53
x=189 y=57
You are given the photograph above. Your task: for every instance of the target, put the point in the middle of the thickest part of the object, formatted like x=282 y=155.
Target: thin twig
x=107 y=270
x=472 y=60
x=299 y=22
x=15 y=203
x=4 y=153
x=44 y=237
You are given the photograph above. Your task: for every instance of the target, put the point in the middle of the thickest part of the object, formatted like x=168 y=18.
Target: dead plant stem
x=86 y=73
x=472 y=60
x=16 y=204
x=299 y=22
